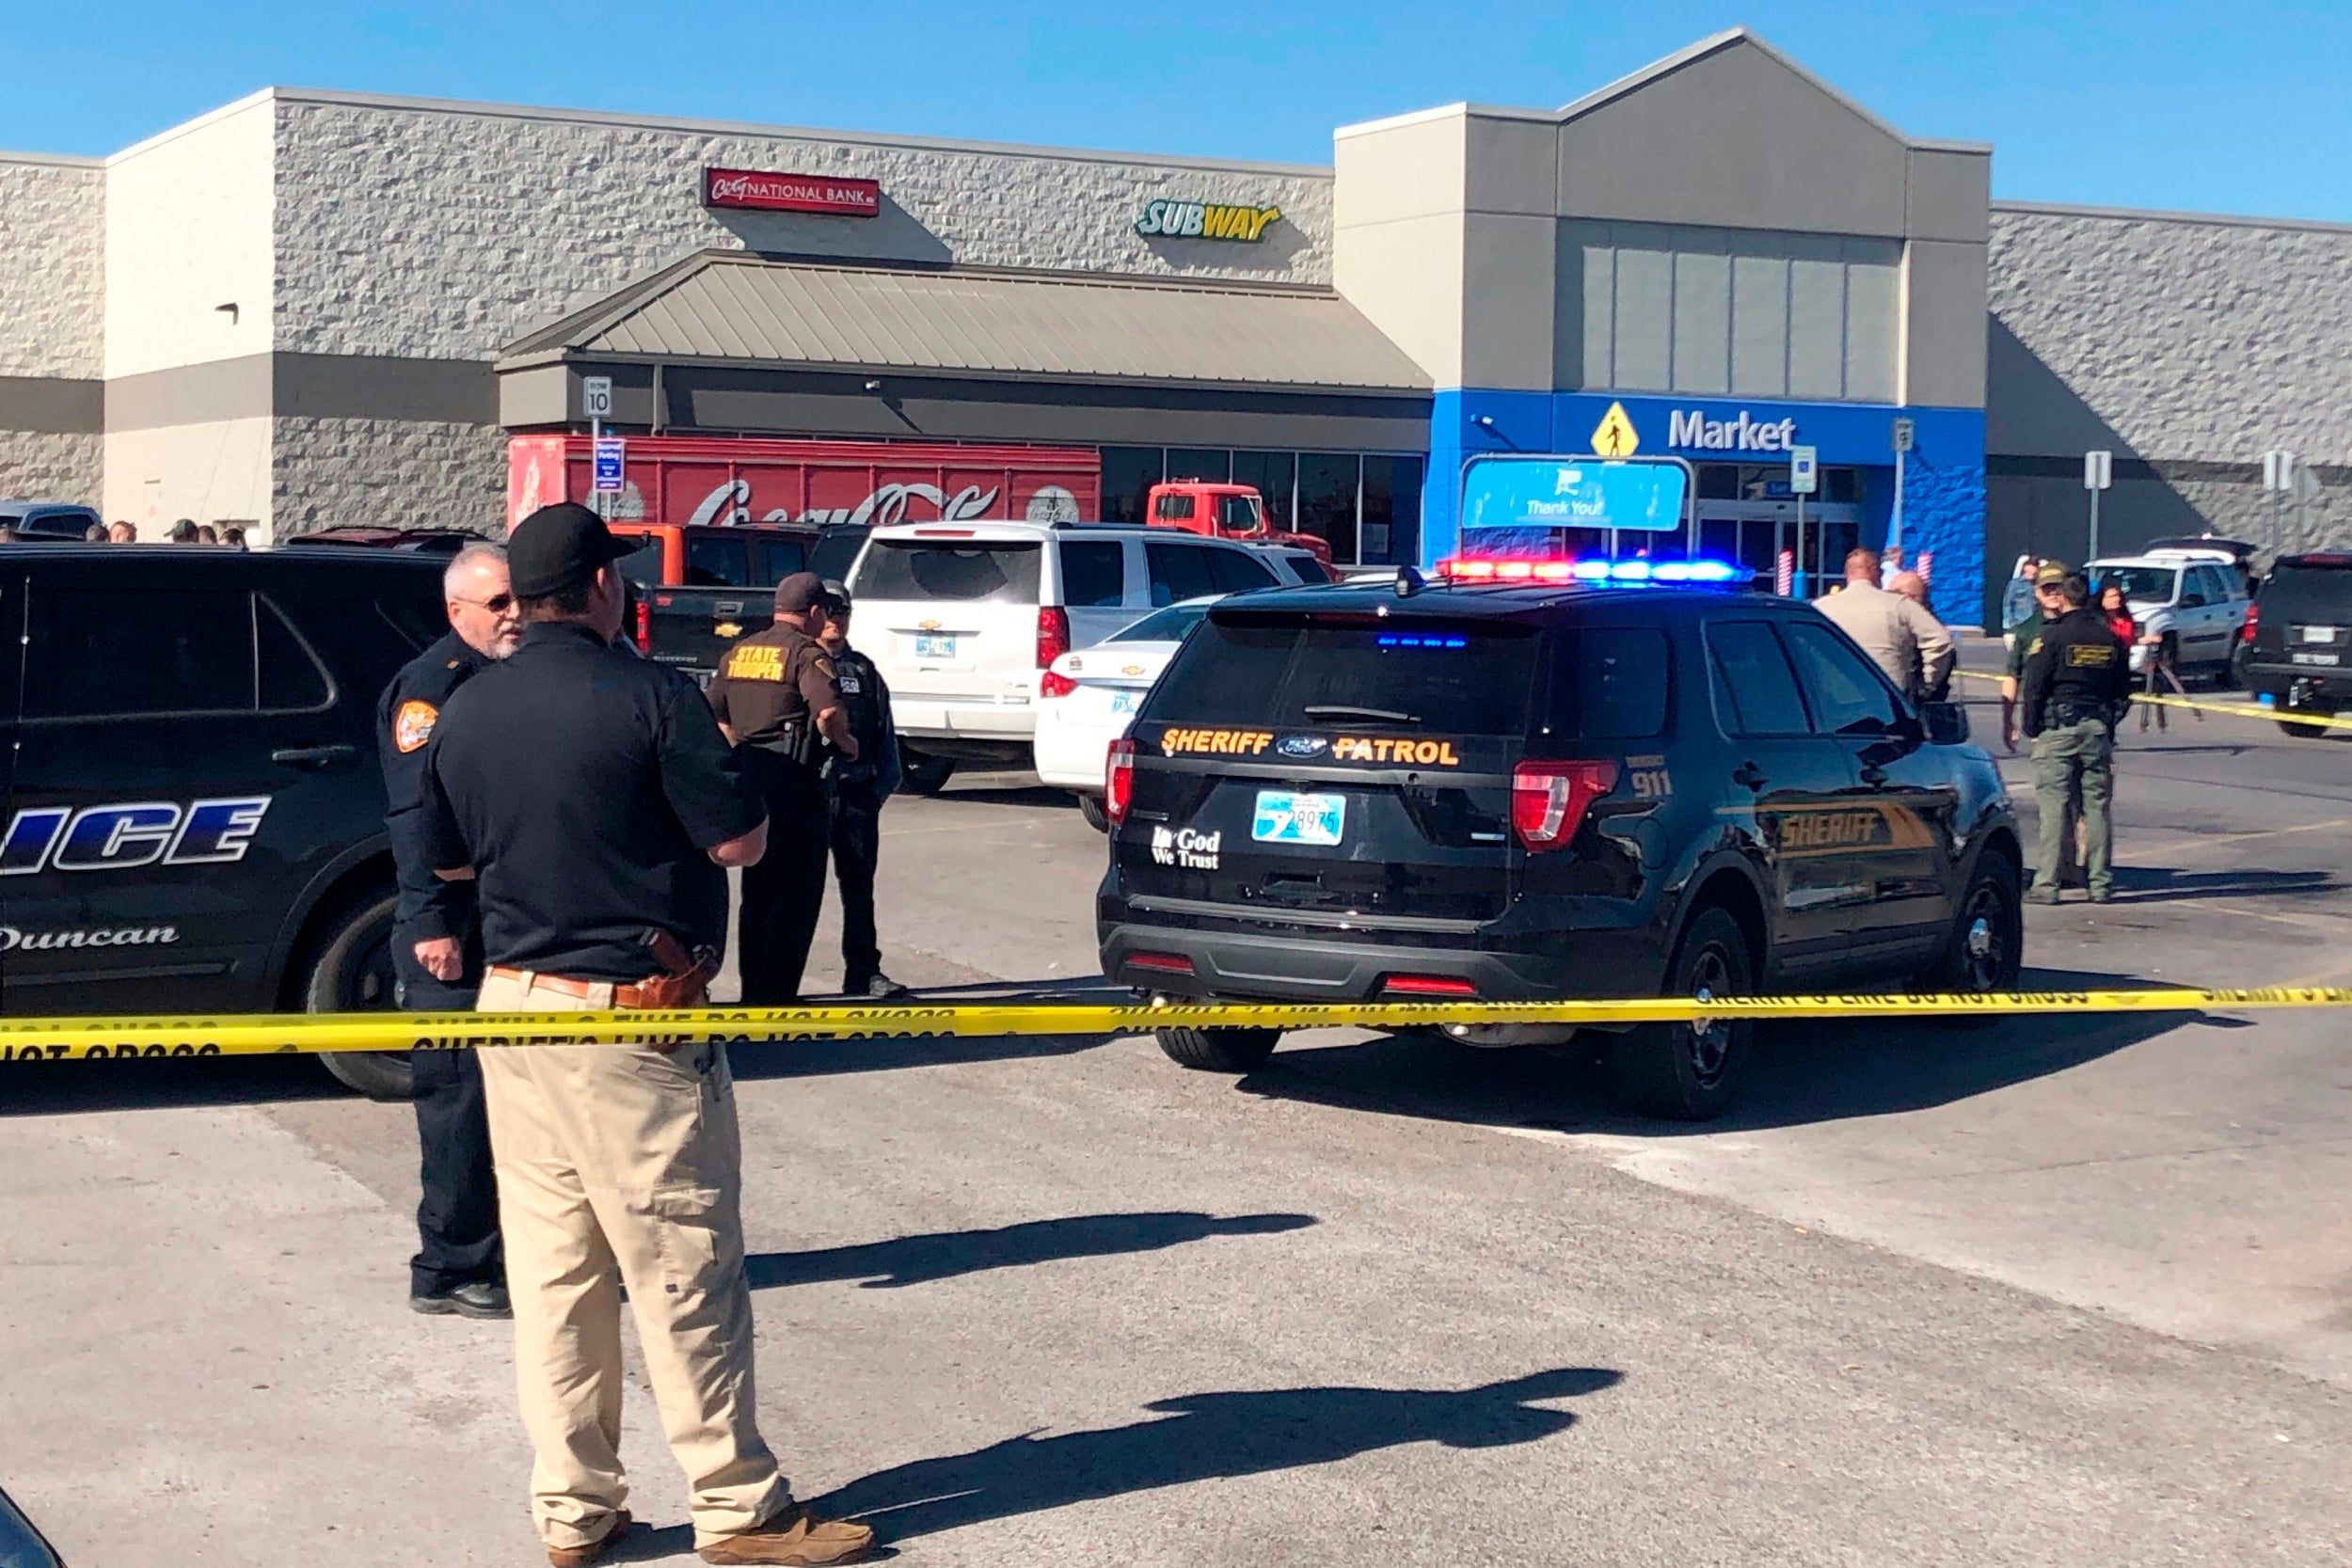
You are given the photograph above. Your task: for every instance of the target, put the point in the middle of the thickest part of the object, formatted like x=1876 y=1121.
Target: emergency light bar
x=1516 y=569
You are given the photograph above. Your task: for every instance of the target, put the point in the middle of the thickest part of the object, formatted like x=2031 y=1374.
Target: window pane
x=1870 y=333
x=1817 y=339
x=1194 y=463
x=1759 y=326
x=642 y=566
x=921 y=570
x=1326 y=500
x=1392 y=510
x=1276 y=476
x=291 y=678
x=778 y=560
x=715 y=560
x=1645 y=319
x=1610 y=682
x=1172 y=509
x=1093 y=572
x=1128 y=475
x=140 y=651
x=1238 y=514
x=1702 y=322
x=1178 y=572
x=1601 y=294
x=1273 y=669
x=1236 y=571
x=1754 y=693
x=1844 y=688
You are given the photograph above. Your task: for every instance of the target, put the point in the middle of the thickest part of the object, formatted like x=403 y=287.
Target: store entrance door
x=1753 y=533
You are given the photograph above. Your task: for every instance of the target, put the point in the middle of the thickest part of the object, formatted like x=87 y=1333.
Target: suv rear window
x=992 y=572
x=1272 y=670
x=2308 y=594
x=1609 y=682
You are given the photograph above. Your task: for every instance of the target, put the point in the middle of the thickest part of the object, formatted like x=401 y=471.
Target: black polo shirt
x=583 y=785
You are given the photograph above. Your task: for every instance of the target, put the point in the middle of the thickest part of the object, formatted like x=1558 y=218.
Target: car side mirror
x=1947 y=723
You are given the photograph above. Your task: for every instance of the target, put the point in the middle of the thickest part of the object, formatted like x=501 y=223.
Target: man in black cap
x=775 y=698
x=856 y=788
x=595 y=805
x=2077 y=682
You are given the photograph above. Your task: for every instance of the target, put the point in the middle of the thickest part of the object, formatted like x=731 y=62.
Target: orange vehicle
x=696 y=589
x=1223 y=512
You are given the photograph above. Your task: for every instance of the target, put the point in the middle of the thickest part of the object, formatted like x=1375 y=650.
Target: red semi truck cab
x=1222 y=511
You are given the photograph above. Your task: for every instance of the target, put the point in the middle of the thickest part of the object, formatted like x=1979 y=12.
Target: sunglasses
x=498 y=604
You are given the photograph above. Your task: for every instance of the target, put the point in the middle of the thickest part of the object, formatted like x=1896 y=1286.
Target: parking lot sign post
x=2282 y=477
x=607 y=455
x=1900 y=438
x=2098 y=473
x=1804 y=477
x=596 y=401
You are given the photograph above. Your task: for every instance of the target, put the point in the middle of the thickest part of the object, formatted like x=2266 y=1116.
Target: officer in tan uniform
x=595 y=804
x=1900 y=637
x=775 y=698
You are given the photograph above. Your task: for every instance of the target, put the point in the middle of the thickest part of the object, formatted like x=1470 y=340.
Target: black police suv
x=194 y=809
x=2297 y=648
x=1411 y=792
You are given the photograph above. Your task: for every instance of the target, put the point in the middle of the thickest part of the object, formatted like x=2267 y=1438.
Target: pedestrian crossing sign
x=1614 y=435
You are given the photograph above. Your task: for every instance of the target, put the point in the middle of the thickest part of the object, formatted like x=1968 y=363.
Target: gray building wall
x=53 y=302
x=2187 y=346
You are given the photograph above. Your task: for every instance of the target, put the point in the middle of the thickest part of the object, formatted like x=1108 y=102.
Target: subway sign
x=1205 y=220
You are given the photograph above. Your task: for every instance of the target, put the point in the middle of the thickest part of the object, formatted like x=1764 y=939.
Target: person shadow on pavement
x=1204 y=1438
x=943 y=1255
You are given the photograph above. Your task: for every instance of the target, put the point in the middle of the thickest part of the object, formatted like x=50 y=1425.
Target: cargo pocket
x=698 y=1250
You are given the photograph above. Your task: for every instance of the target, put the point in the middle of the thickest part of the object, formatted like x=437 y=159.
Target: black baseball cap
x=836 y=597
x=799 y=593
x=559 y=545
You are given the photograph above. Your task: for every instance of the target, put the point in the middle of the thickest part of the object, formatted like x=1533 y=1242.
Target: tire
x=2303 y=731
x=1987 y=944
x=921 y=773
x=351 y=971
x=1220 y=1049
x=1681 y=1072
x=1090 y=807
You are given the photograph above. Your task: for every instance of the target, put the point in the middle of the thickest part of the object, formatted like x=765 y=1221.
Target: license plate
x=2319 y=634
x=1124 y=701
x=934 y=644
x=1283 y=818
x=2317 y=659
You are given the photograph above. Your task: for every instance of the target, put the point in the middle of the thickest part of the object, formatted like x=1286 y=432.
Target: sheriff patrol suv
x=194 y=813
x=1409 y=792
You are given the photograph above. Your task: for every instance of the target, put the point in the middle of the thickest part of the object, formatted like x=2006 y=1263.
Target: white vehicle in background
x=2191 y=602
x=1096 y=696
x=965 y=619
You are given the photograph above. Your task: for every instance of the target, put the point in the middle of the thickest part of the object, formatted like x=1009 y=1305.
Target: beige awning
x=722 y=307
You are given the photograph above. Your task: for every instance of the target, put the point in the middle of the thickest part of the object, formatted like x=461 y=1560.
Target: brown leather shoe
x=795 y=1539
x=579 y=1557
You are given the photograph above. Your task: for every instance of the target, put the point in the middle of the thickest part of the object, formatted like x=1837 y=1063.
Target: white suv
x=964 y=619
x=2190 y=601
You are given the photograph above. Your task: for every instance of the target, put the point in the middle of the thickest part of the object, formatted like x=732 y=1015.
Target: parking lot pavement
x=2032 y=1293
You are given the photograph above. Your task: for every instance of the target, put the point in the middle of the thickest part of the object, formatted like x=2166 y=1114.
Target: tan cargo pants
x=625 y=1157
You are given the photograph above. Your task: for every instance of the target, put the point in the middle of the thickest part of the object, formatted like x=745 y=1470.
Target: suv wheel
x=1090 y=807
x=1220 y=1049
x=921 y=773
x=2307 y=732
x=1988 y=937
x=1691 y=1072
x=351 y=971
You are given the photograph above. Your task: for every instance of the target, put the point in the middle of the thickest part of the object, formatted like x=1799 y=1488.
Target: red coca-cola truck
x=697 y=481
x=1223 y=511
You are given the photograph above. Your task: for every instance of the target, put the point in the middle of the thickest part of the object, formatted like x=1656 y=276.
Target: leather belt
x=656 y=991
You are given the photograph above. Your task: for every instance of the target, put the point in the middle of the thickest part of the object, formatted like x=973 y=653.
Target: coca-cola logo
x=730 y=505
x=790 y=193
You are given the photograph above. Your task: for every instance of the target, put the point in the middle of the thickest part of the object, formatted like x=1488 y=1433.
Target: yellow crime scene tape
x=50 y=1040
x=2201 y=705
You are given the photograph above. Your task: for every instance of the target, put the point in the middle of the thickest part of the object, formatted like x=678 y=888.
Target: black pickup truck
x=697 y=589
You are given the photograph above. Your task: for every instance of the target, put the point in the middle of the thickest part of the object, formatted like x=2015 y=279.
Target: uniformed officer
x=596 y=804
x=775 y=698
x=2077 y=682
x=857 y=790
x=436 y=952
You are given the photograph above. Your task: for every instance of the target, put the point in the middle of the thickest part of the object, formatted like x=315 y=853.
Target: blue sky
x=2240 y=107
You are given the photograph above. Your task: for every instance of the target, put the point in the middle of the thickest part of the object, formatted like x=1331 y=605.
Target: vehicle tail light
x=2253 y=621
x=1162 y=964
x=1053 y=634
x=643 y=629
x=1428 y=985
x=1118 y=780
x=1054 y=684
x=1548 y=799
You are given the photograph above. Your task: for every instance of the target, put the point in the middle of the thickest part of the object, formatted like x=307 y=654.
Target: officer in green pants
x=2076 y=685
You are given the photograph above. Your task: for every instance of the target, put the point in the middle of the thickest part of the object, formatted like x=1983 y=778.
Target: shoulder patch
x=412 y=725
x=754 y=661
x=824 y=666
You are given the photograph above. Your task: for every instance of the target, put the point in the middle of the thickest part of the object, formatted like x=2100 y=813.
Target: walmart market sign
x=1205 y=220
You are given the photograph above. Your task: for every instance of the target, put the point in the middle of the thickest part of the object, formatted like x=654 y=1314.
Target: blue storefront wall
x=1943 y=475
